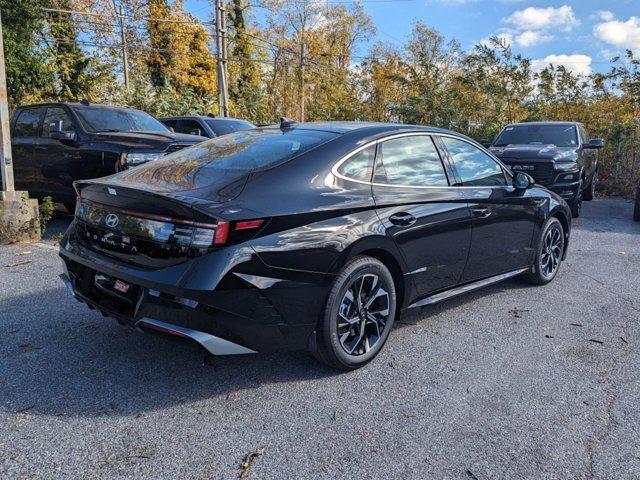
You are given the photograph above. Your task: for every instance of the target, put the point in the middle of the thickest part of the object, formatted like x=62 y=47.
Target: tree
x=23 y=25
x=246 y=86
x=75 y=73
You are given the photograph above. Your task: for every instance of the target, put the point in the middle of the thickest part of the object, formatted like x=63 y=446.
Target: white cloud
x=605 y=15
x=618 y=33
x=533 y=18
x=577 y=64
x=529 y=38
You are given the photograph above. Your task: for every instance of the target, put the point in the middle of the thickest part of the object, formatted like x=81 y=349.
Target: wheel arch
x=384 y=250
x=566 y=227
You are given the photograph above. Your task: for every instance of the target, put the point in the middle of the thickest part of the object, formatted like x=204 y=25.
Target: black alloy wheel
x=359 y=315
x=550 y=252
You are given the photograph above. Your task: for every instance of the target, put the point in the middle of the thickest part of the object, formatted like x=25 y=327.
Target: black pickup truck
x=55 y=144
x=558 y=155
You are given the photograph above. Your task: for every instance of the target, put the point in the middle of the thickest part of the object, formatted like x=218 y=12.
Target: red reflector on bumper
x=249 y=224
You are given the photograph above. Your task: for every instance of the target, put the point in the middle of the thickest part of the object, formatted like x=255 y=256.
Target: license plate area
x=116 y=288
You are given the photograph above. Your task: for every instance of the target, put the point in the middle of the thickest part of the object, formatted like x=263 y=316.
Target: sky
x=583 y=35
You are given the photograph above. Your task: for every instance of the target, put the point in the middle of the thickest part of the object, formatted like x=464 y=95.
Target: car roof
x=203 y=117
x=80 y=105
x=550 y=122
x=342 y=127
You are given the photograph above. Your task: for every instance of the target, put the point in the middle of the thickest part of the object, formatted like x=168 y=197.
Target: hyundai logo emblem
x=111 y=220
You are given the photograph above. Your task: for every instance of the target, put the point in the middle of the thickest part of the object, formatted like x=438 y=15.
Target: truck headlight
x=139 y=158
x=566 y=167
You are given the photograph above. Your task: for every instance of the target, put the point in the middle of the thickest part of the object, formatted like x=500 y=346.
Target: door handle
x=40 y=147
x=481 y=212
x=402 y=219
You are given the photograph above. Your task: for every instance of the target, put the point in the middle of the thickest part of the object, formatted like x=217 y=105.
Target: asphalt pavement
x=512 y=382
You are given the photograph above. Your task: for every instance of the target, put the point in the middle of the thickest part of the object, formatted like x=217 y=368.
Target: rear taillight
x=196 y=237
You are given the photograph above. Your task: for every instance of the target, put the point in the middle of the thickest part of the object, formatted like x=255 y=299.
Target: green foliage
x=27 y=75
x=163 y=101
x=46 y=209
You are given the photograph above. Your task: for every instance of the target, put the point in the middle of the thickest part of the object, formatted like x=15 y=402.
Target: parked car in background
x=207 y=126
x=558 y=155
x=55 y=144
x=307 y=236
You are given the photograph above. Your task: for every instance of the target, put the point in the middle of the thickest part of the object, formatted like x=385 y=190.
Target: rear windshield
x=222 y=127
x=558 y=135
x=101 y=119
x=223 y=158
x=250 y=150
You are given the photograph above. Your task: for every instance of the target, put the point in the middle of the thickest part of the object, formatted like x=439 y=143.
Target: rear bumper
x=226 y=308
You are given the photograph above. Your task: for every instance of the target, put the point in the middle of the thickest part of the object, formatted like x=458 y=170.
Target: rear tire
x=358 y=316
x=549 y=254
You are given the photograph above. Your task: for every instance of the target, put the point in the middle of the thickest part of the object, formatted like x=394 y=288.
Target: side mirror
x=522 y=181
x=197 y=131
x=594 y=143
x=485 y=142
x=172 y=130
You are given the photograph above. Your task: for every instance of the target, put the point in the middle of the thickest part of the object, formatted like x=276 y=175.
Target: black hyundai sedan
x=307 y=236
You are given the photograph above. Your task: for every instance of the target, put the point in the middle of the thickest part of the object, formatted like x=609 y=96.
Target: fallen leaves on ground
x=17 y=264
x=248 y=461
x=517 y=312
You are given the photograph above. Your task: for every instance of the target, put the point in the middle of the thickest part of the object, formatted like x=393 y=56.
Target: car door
x=589 y=156
x=60 y=159
x=26 y=128
x=425 y=216
x=504 y=217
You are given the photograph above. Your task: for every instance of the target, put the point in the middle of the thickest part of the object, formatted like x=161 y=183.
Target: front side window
x=360 y=165
x=474 y=167
x=27 y=122
x=222 y=127
x=106 y=119
x=412 y=161
x=55 y=115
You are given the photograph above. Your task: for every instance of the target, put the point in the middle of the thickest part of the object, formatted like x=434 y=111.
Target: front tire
x=358 y=316
x=636 y=209
x=590 y=191
x=549 y=255
x=576 y=203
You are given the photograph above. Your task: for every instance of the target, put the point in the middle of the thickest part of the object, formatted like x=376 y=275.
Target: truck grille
x=543 y=173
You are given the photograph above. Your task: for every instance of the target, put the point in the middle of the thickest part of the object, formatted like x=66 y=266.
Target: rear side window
x=27 y=122
x=189 y=126
x=53 y=116
x=474 y=167
x=360 y=165
x=222 y=127
x=412 y=161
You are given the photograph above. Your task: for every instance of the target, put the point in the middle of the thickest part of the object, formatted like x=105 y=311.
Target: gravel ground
x=509 y=382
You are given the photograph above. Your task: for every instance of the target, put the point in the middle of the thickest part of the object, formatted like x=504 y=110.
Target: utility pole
x=123 y=39
x=221 y=59
x=5 y=156
x=302 y=98
x=19 y=217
